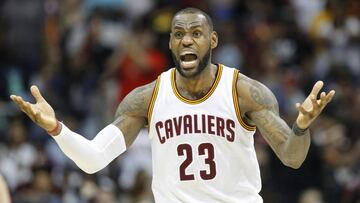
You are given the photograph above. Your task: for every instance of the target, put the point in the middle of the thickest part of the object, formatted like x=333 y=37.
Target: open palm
x=311 y=108
x=40 y=112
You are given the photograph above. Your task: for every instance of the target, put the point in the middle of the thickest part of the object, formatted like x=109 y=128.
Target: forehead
x=188 y=20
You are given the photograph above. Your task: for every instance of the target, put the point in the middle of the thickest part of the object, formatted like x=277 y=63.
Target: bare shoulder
x=255 y=96
x=136 y=103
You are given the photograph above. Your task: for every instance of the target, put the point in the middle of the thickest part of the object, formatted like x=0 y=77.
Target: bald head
x=195 y=11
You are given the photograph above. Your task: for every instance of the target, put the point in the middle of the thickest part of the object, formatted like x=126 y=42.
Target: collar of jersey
x=197 y=101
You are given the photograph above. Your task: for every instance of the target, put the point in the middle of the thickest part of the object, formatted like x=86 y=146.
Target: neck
x=196 y=87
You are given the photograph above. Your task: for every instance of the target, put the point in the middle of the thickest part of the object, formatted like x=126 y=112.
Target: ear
x=214 y=39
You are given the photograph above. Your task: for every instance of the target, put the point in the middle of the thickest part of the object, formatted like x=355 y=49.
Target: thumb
x=36 y=93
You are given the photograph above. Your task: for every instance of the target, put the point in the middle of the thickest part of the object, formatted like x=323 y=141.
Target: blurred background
x=85 y=55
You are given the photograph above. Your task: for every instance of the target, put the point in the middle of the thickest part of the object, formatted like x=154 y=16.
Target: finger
x=329 y=96
x=18 y=100
x=317 y=87
x=314 y=101
x=37 y=116
x=27 y=108
x=36 y=93
x=29 y=115
x=322 y=96
x=301 y=109
x=327 y=99
x=12 y=97
x=24 y=106
x=322 y=99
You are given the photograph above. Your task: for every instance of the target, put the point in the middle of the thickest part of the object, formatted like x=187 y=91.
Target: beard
x=204 y=61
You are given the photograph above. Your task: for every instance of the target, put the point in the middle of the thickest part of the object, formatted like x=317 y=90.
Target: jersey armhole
x=237 y=106
x=152 y=102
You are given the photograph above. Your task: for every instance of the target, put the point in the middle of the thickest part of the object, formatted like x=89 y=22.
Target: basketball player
x=201 y=119
x=4 y=191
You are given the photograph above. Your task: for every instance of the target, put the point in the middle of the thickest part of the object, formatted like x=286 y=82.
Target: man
x=201 y=119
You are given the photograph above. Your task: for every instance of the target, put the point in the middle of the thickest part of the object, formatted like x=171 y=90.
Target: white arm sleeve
x=92 y=155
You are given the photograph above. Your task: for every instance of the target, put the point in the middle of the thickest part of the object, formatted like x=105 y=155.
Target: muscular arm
x=131 y=114
x=261 y=108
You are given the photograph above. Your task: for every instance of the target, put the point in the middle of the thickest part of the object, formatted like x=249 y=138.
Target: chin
x=188 y=72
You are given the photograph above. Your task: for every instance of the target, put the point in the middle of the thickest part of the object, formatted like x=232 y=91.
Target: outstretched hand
x=311 y=108
x=41 y=112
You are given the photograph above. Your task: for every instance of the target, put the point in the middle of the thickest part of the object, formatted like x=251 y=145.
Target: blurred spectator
x=137 y=61
x=18 y=156
x=40 y=190
x=137 y=159
x=23 y=34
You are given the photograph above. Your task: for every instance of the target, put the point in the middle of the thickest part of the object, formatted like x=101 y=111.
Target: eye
x=178 y=35
x=197 y=33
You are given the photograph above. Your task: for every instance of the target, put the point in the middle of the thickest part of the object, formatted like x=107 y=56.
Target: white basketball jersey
x=202 y=150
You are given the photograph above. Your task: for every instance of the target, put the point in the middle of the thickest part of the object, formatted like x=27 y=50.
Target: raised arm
x=93 y=155
x=291 y=145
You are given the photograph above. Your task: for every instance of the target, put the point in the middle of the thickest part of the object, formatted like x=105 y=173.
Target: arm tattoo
x=291 y=149
x=273 y=128
x=258 y=95
x=131 y=115
x=133 y=103
x=266 y=114
x=262 y=96
x=136 y=102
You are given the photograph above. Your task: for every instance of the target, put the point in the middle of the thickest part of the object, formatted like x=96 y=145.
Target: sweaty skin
x=192 y=35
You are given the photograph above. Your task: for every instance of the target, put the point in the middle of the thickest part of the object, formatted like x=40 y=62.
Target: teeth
x=186 y=53
x=188 y=56
x=188 y=64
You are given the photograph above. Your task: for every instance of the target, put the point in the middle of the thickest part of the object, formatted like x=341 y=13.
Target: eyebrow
x=193 y=25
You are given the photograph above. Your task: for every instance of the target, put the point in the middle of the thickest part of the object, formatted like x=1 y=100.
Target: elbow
x=291 y=163
x=89 y=171
x=90 y=168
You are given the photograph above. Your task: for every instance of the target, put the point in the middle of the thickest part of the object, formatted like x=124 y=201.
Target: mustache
x=204 y=61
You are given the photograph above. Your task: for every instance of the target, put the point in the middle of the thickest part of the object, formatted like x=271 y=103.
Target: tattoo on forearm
x=273 y=127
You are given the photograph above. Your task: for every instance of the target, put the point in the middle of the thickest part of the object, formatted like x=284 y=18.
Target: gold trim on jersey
x=237 y=106
x=197 y=101
x=152 y=101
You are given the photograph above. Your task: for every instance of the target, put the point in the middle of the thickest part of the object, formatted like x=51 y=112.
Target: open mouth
x=188 y=60
x=188 y=57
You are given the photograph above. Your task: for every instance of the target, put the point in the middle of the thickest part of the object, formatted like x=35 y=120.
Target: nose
x=187 y=40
